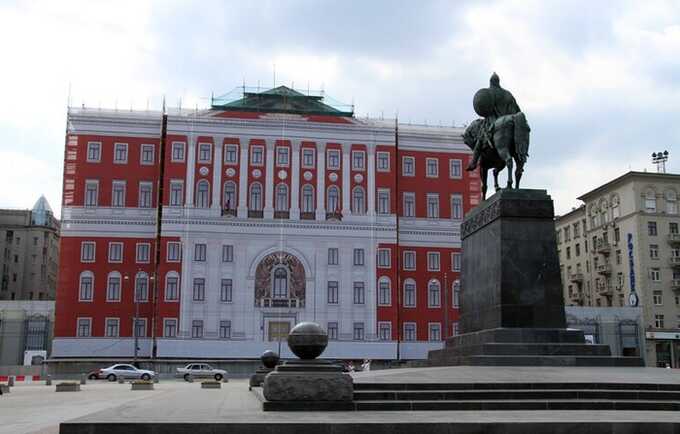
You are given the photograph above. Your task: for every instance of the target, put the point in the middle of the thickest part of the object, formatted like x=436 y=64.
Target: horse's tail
x=521 y=136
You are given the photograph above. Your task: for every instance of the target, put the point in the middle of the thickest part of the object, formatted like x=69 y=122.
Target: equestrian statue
x=500 y=138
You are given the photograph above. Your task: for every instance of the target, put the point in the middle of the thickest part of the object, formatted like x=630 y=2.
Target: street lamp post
x=135 y=322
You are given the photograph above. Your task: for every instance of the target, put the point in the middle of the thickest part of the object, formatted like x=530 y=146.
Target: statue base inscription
x=308 y=380
x=512 y=307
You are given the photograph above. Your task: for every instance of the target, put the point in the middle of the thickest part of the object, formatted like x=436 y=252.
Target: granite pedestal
x=308 y=380
x=512 y=306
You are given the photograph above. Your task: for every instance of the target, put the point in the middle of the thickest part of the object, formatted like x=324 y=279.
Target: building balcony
x=674 y=238
x=605 y=290
x=228 y=213
x=603 y=247
x=576 y=277
x=674 y=261
x=307 y=216
x=675 y=284
x=336 y=215
x=255 y=214
x=280 y=302
x=604 y=268
x=281 y=214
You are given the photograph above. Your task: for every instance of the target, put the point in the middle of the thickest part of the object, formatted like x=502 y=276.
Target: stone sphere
x=269 y=359
x=307 y=340
x=483 y=102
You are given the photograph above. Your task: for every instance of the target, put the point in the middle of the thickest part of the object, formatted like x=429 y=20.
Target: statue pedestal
x=308 y=380
x=257 y=378
x=512 y=307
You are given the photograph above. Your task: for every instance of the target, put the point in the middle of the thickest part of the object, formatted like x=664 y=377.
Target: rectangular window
x=199 y=289
x=409 y=205
x=145 y=194
x=118 y=194
x=204 y=152
x=332 y=331
x=673 y=228
x=200 y=252
x=384 y=201
x=143 y=253
x=115 y=252
x=455 y=169
x=384 y=293
x=408 y=166
x=308 y=155
x=333 y=157
x=176 y=192
x=197 y=329
x=454 y=329
x=658 y=298
x=659 y=321
x=225 y=329
x=384 y=258
x=120 y=153
x=147 y=155
x=456 y=260
x=91 y=193
x=169 y=328
x=455 y=299
x=112 y=327
x=456 y=206
x=434 y=332
x=85 y=293
x=409 y=294
x=230 y=154
x=113 y=288
x=359 y=293
x=409 y=260
x=282 y=156
x=174 y=253
x=333 y=256
x=84 y=327
x=87 y=251
x=434 y=298
x=653 y=251
x=385 y=331
x=358 y=160
x=358 y=331
x=383 y=161
x=651 y=229
x=655 y=274
x=333 y=292
x=94 y=152
x=171 y=288
x=409 y=331
x=141 y=288
x=358 y=257
x=432 y=206
x=256 y=155
x=227 y=253
x=226 y=290
x=432 y=167
x=177 y=155
x=432 y=261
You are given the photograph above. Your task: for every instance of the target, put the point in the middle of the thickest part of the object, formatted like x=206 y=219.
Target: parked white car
x=125 y=371
x=200 y=370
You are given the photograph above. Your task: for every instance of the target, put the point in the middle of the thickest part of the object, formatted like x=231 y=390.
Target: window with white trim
x=434 y=298
x=94 y=152
x=431 y=167
x=384 y=292
x=455 y=298
x=204 y=152
x=202 y=194
x=197 y=328
x=434 y=332
x=456 y=260
x=655 y=274
x=657 y=297
x=143 y=253
x=141 y=287
x=384 y=258
x=382 y=161
x=169 y=327
x=84 y=329
x=433 y=261
x=455 y=330
x=410 y=331
x=456 y=206
x=228 y=253
x=86 y=286
x=115 y=253
x=200 y=252
x=176 y=192
x=256 y=155
x=118 y=194
x=332 y=292
x=385 y=331
x=359 y=293
x=409 y=260
x=408 y=166
x=455 y=169
x=91 y=192
x=333 y=199
x=229 y=195
x=333 y=256
x=358 y=331
x=333 y=159
x=255 y=197
x=146 y=155
x=358 y=160
x=658 y=321
x=225 y=329
x=308 y=160
x=174 y=251
x=226 y=290
x=358 y=257
x=177 y=155
x=409 y=204
x=409 y=293
x=358 y=201
x=432 y=205
x=384 y=201
x=145 y=195
x=281 y=197
x=332 y=331
x=171 y=287
x=198 y=289
x=282 y=156
x=230 y=154
x=139 y=327
x=112 y=327
x=87 y=251
x=113 y=283
x=120 y=153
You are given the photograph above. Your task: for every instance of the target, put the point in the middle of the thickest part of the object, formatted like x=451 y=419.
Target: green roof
x=280 y=99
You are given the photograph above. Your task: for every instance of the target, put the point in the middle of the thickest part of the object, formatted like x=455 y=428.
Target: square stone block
x=68 y=387
x=308 y=386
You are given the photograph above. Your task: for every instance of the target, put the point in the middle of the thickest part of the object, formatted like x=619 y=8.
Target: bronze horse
x=504 y=141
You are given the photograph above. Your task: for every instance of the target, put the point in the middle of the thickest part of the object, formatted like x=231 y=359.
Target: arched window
x=604 y=212
x=307 y=198
x=358 y=201
x=434 y=294
x=202 y=194
x=280 y=289
x=671 y=202
x=409 y=293
x=141 y=286
x=593 y=216
x=256 y=197
x=229 y=195
x=333 y=201
x=172 y=286
x=384 y=292
x=281 y=203
x=650 y=200
x=616 y=208
x=113 y=286
x=86 y=286
x=456 y=293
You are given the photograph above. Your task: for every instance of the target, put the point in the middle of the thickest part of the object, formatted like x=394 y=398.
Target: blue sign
x=631 y=262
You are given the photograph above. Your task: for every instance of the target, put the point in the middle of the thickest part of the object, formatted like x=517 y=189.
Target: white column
x=371 y=180
x=191 y=167
x=242 y=210
x=320 y=181
x=269 y=182
x=295 y=181
x=217 y=172
x=346 y=181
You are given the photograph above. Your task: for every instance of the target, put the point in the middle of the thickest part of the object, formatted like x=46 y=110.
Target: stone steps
x=515 y=386
x=576 y=404
x=441 y=358
x=540 y=349
x=518 y=395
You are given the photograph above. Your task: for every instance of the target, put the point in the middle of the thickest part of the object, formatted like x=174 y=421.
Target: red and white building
x=275 y=208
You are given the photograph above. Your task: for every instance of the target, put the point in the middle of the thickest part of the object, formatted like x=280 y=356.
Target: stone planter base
x=211 y=385
x=68 y=387
x=142 y=386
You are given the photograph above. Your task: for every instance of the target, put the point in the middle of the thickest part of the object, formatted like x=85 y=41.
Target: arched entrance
x=280 y=281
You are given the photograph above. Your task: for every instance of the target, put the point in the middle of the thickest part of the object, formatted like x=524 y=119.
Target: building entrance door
x=663 y=354
x=278 y=330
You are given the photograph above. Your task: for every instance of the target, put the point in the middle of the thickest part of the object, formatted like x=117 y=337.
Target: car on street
x=94 y=375
x=113 y=372
x=200 y=370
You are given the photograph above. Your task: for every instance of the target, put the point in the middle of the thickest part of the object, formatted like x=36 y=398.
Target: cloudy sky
x=599 y=81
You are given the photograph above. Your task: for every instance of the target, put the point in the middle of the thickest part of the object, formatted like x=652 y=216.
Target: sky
x=599 y=81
